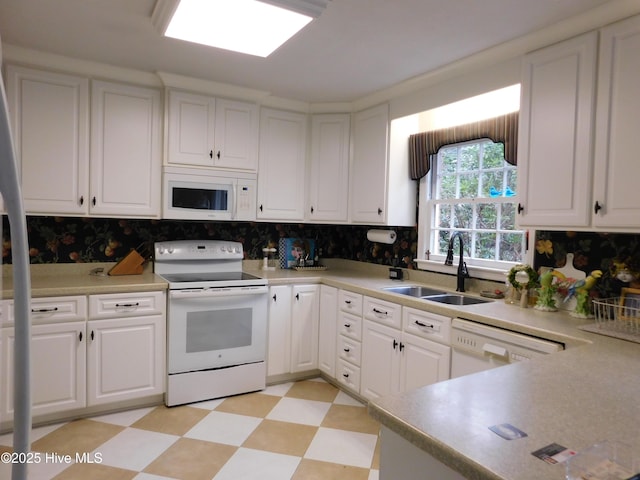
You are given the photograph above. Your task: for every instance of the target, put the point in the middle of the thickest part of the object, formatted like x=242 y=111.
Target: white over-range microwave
x=202 y=194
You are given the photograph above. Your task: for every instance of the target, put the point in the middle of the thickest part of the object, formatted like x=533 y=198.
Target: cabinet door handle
x=395 y=344
x=80 y=336
x=401 y=346
x=379 y=211
x=381 y=312
x=520 y=208
x=127 y=305
x=44 y=310
x=260 y=207
x=311 y=208
x=597 y=207
x=297 y=296
x=93 y=201
x=218 y=154
x=419 y=323
x=275 y=298
x=92 y=335
x=211 y=154
x=81 y=200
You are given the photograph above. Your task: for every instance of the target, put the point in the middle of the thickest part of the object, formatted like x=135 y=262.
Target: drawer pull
x=127 y=305
x=381 y=312
x=347 y=325
x=347 y=349
x=345 y=375
x=421 y=324
x=44 y=310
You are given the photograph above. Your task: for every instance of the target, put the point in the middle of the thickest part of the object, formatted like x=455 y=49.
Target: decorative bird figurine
x=581 y=291
x=494 y=193
x=508 y=192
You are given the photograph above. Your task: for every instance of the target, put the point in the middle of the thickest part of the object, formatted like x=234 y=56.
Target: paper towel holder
x=381 y=236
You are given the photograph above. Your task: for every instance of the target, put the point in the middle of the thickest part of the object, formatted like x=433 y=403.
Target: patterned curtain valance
x=422 y=146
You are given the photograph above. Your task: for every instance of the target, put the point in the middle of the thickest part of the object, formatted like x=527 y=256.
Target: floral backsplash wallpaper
x=608 y=252
x=68 y=240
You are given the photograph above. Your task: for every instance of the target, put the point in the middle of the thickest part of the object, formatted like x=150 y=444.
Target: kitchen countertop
x=584 y=394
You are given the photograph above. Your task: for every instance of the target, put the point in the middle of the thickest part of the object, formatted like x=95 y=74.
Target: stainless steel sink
x=455 y=299
x=414 y=291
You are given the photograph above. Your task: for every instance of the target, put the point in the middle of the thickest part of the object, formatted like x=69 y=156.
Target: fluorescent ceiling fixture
x=246 y=26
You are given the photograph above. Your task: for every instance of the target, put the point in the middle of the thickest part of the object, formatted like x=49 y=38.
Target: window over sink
x=470 y=188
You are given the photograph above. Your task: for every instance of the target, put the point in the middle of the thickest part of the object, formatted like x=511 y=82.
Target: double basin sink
x=435 y=295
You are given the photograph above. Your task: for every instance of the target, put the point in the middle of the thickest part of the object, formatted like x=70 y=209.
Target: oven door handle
x=218 y=292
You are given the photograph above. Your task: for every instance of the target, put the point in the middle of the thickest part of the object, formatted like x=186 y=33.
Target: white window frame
x=478 y=268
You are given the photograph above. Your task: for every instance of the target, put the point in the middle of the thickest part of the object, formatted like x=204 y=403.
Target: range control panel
x=198 y=249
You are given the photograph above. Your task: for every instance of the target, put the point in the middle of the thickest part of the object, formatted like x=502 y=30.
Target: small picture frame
x=629 y=308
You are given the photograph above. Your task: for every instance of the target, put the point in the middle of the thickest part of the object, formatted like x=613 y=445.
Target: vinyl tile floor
x=307 y=430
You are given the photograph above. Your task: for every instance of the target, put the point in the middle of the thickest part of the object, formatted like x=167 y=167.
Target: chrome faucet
x=462 y=266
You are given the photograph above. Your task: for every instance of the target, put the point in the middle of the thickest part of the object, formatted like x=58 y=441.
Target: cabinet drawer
x=349 y=350
x=350 y=302
x=426 y=324
x=386 y=313
x=119 y=305
x=348 y=375
x=54 y=310
x=350 y=325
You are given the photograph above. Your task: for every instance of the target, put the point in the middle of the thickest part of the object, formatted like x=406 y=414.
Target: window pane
x=447 y=187
x=507 y=216
x=487 y=216
x=511 y=247
x=469 y=185
x=448 y=160
x=492 y=184
x=463 y=217
x=493 y=155
x=443 y=242
x=486 y=245
x=512 y=179
x=442 y=216
x=470 y=157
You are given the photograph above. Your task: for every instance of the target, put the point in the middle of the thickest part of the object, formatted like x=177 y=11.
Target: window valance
x=422 y=146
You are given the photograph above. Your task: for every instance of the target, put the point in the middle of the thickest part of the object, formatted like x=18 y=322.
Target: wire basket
x=618 y=314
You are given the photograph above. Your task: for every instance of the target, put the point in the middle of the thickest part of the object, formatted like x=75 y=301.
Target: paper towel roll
x=381 y=236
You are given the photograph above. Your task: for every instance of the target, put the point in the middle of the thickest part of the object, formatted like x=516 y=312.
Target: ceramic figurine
x=580 y=290
x=546 y=293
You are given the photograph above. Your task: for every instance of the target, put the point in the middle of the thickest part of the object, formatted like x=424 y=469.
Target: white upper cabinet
x=381 y=191
x=126 y=150
x=555 y=131
x=50 y=121
x=282 y=165
x=565 y=181
x=617 y=168
x=209 y=132
x=329 y=174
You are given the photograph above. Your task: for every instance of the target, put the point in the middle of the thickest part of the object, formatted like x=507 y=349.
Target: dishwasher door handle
x=494 y=349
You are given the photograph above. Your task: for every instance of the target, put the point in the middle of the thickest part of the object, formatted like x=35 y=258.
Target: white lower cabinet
x=58 y=363
x=304 y=327
x=327 y=330
x=293 y=329
x=119 y=354
x=125 y=346
x=349 y=340
x=395 y=361
x=125 y=358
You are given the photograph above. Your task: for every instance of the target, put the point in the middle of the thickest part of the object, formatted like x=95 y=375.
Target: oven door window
x=218 y=330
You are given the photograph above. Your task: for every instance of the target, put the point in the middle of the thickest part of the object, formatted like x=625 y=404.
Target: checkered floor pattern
x=304 y=430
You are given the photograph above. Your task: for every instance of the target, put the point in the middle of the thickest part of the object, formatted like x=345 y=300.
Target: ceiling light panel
x=247 y=26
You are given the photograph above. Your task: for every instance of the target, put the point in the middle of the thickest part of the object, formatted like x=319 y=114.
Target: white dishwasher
x=477 y=347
